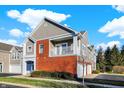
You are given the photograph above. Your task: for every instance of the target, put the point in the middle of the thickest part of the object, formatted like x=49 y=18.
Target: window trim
x=60 y=45
x=40 y=48
x=28 y=48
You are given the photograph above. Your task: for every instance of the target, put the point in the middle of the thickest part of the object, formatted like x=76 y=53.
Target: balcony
x=61 y=51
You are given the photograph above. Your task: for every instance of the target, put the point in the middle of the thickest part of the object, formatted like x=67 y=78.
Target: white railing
x=63 y=51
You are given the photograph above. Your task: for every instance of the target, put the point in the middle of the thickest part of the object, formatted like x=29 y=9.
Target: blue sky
x=14 y=27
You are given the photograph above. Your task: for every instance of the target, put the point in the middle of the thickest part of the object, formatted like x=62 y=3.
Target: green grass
x=40 y=83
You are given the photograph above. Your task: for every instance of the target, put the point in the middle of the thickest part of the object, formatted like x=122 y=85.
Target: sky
x=104 y=23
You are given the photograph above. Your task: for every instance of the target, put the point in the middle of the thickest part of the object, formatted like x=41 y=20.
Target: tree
x=100 y=60
x=122 y=56
x=107 y=59
x=115 y=56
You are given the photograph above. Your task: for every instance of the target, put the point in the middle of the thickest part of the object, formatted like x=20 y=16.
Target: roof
x=61 y=26
x=8 y=47
x=54 y=23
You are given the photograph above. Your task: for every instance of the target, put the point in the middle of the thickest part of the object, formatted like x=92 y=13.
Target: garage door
x=80 y=70
x=15 y=68
x=89 y=70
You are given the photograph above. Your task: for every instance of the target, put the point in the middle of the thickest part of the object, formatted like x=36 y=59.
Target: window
x=41 y=46
x=15 y=56
x=64 y=48
x=29 y=48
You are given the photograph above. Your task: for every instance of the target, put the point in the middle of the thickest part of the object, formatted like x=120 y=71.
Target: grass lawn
x=40 y=83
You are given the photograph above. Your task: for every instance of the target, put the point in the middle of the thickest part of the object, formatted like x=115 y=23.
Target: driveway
x=8 y=74
x=106 y=76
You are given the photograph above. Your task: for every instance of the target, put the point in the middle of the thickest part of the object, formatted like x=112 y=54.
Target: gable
x=5 y=47
x=85 y=39
x=48 y=29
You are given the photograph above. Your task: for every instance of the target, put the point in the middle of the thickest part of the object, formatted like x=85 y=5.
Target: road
x=9 y=86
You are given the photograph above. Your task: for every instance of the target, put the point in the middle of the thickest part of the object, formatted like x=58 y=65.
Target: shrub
x=36 y=74
x=118 y=69
x=95 y=71
x=63 y=75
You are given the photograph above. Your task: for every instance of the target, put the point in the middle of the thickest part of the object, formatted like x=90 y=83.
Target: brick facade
x=52 y=64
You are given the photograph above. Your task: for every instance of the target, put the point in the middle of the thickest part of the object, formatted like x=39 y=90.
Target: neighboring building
x=10 y=58
x=52 y=47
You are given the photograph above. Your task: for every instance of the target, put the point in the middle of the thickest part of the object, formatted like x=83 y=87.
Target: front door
x=0 y=67
x=30 y=66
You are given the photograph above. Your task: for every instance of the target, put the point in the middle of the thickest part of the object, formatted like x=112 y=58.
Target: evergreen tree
x=115 y=54
x=122 y=56
x=100 y=60
x=107 y=59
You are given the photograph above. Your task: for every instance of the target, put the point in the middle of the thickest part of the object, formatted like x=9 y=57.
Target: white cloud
x=109 y=44
x=16 y=32
x=32 y=17
x=9 y=41
x=119 y=8
x=114 y=27
x=14 y=14
x=26 y=34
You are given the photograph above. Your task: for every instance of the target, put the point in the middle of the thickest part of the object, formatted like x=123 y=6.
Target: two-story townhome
x=53 y=47
x=10 y=58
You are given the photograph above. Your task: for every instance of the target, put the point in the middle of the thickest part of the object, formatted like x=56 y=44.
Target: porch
x=63 y=46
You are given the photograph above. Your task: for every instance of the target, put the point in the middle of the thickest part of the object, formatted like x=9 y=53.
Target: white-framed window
x=61 y=48
x=29 y=48
x=41 y=48
x=15 y=56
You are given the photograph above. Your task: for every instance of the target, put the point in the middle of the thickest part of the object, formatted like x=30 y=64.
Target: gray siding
x=15 y=61
x=48 y=30
x=4 y=59
x=85 y=39
x=29 y=43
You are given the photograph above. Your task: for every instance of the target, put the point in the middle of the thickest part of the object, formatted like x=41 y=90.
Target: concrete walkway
x=45 y=79
x=17 y=85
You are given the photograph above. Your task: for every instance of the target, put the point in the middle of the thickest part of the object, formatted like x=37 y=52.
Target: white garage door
x=80 y=70
x=15 y=68
x=89 y=70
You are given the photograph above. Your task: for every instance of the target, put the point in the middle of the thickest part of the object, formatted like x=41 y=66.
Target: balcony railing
x=62 y=51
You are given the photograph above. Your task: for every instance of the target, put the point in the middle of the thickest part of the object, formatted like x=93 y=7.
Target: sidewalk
x=62 y=81
x=18 y=85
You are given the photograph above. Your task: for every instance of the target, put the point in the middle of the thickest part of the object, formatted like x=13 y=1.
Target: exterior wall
x=15 y=64
x=4 y=59
x=48 y=30
x=29 y=43
x=85 y=39
x=52 y=64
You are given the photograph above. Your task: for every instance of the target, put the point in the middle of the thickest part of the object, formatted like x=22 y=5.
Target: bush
x=63 y=75
x=36 y=74
x=95 y=71
x=118 y=69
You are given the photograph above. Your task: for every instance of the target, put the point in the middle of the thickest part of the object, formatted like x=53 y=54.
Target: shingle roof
x=8 y=47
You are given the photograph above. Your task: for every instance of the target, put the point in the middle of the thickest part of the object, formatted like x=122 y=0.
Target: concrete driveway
x=107 y=76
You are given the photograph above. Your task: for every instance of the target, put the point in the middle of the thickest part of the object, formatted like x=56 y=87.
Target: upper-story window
x=15 y=56
x=41 y=47
x=29 y=48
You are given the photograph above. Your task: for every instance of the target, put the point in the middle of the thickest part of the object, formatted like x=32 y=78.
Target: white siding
x=15 y=68
x=89 y=69
x=80 y=70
